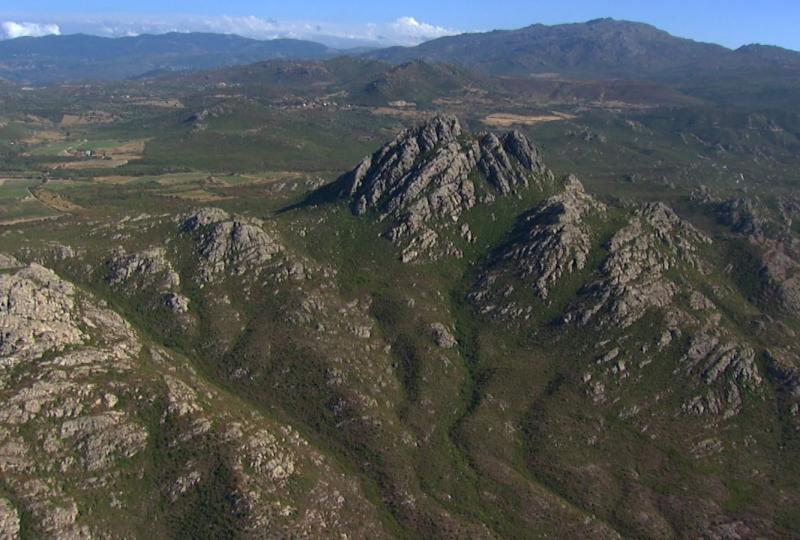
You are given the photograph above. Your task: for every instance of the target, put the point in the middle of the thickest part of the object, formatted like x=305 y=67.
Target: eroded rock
x=230 y=246
x=634 y=274
x=550 y=242
x=425 y=177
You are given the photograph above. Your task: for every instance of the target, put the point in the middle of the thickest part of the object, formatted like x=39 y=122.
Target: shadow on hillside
x=329 y=193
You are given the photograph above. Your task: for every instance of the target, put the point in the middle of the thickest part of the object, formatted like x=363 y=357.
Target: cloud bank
x=11 y=29
x=402 y=31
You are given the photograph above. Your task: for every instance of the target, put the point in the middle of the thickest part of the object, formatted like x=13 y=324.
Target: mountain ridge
x=605 y=48
x=51 y=59
x=601 y=47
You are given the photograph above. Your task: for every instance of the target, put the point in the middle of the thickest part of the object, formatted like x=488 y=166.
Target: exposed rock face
x=8 y=262
x=36 y=315
x=149 y=268
x=634 y=279
x=177 y=303
x=508 y=160
x=425 y=174
x=9 y=520
x=781 y=273
x=80 y=392
x=230 y=246
x=741 y=216
x=550 y=242
x=57 y=398
x=725 y=368
x=442 y=336
x=205 y=217
x=785 y=366
x=151 y=272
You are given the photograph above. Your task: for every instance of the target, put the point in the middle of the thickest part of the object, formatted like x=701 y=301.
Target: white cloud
x=403 y=31
x=11 y=29
x=411 y=30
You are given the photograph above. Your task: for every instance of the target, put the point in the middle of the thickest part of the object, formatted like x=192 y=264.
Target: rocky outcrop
x=442 y=336
x=550 y=242
x=433 y=173
x=149 y=268
x=83 y=398
x=725 y=370
x=741 y=216
x=509 y=161
x=36 y=315
x=780 y=272
x=148 y=271
x=784 y=365
x=59 y=358
x=7 y=262
x=230 y=246
x=634 y=274
x=9 y=520
x=204 y=217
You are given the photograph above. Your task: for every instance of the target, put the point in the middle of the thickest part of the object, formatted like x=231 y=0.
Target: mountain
x=51 y=59
x=600 y=48
x=447 y=341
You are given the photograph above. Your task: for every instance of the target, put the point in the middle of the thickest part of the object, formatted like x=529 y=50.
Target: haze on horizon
x=732 y=23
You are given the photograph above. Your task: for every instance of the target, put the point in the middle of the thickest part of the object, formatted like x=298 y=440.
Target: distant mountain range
x=602 y=48
x=79 y=57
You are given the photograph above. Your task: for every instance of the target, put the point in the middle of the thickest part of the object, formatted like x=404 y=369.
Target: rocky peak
x=232 y=245
x=634 y=278
x=552 y=241
x=430 y=171
x=395 y=170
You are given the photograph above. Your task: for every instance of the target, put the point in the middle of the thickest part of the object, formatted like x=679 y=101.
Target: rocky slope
x=433 y=173
x=91 y=407
x=550 y=243
x=634 y=276
x=585 y=368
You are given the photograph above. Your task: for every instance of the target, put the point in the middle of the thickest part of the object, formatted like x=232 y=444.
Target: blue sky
x=731 y=23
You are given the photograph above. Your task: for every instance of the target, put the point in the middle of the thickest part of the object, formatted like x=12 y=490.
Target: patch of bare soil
x=31 y=219
x=509 y=119
x=399 y=112
x=169 y=103
x=55 y=201
x=91 y=117
x=44 y=136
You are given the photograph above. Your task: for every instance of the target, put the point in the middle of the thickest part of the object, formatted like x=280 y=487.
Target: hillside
x=347 y=297
x=604 y=48
x=79 y=57
x=218 y=366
